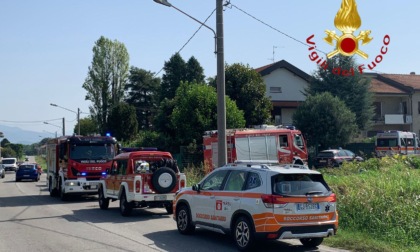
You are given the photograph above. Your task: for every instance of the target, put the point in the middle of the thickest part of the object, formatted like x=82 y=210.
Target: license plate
x=160 y=197
x=322 y=161
x=307 y=206
x=26 y=175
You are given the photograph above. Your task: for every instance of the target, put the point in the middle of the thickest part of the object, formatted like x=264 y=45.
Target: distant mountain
x=19 y=136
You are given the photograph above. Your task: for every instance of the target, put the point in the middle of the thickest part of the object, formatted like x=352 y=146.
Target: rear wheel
x=311 y=242
x=125 y=206
x=243 y=234
x=53 y=191
x=103 y=202
x=183 y=220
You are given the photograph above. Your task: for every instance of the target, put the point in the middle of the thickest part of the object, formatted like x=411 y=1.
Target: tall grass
x=380 y=198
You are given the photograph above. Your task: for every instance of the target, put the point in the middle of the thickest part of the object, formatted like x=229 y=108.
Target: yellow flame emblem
x=347 y=21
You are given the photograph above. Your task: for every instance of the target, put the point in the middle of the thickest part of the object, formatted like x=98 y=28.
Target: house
x=285 y=85
x=396 y=96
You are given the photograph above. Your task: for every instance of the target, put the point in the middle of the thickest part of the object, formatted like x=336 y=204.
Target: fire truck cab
x=396 y=142
x=265 y=143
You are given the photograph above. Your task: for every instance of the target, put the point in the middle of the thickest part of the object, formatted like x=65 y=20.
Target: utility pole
x=221 y=103
x=64 y=126
x=78 y=121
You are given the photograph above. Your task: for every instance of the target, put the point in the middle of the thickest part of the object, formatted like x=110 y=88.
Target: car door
x=121 y=172
x=228 y=201
x=109 y=181
x=203 y=203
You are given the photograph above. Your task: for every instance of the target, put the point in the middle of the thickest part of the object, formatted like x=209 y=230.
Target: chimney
x=413 y=73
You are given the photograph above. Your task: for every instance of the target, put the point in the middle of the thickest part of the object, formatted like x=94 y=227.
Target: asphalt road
x=31 y=220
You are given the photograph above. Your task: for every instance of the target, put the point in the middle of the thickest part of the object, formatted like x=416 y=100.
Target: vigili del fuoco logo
x=347 y=20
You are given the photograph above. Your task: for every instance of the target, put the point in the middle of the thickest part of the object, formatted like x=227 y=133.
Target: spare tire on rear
x=164 y=180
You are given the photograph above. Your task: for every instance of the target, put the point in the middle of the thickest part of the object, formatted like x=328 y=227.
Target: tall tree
x=122 y=122
x=353 y=89
x=177 y=70
x=246 y=87
x=106 y=78
x=194 y=71
x=174 y=74
x=196 y=111
x=325 y=121
x=142 y=92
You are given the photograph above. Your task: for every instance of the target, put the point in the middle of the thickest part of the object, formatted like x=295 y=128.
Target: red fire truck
x=75 y=164
x=265 y=143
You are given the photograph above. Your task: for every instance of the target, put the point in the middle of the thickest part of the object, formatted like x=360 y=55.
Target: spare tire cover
x=164 y=180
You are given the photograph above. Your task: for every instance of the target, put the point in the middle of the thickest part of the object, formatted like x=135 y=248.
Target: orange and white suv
x=258 y=201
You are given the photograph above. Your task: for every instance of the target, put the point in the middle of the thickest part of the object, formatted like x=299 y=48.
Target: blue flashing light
x=83 y=173
x=108 y=134
x=103 y=173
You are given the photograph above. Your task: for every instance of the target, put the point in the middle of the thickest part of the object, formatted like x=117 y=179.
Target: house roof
x=266 y=70
x=381 y=87
x=408 y=80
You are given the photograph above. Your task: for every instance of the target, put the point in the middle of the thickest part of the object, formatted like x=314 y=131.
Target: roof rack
x=298 y=166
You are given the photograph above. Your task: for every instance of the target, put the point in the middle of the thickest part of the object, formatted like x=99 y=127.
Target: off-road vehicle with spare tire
x=145 y=178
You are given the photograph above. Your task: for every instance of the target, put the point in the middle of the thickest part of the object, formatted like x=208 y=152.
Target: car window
x=119 y=167
x=350 y=153
x=299 y=185
x=235 y=181
x=325 y=154
x=342 y=153
x=253 y=181
x=214 y=181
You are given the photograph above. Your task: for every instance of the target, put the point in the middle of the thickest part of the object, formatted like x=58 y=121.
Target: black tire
x=311 y=242
x=243 y=234
x=184 y=221
x=125 y=207
x=164 y=180
x=169 y=209
x=2 y=175
x=53 y=191
x=103 y=202
x=17 y=180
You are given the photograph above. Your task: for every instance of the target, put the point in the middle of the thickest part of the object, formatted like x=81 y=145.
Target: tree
x=195 y=111
x=87 y=126
x=106 y=78
x=352 y=89
x=142 y=92
x=325 y=121
x=194 y=71
x=246 y=87
x=176 y=70
x=122 y=123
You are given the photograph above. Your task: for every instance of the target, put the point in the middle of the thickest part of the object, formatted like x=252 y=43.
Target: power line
x=270 y=26
x=188 y=41
x=49 y=120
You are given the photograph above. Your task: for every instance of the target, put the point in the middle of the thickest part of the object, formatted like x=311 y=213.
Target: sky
x=46 y=45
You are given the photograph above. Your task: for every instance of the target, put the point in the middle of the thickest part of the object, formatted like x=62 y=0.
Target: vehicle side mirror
x=108 y=170
x=196 y=187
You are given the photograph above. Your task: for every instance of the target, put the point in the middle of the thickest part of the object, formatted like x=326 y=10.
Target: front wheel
x=311 y=242
x=125 y=206
x=243 y=234
x=183 y=220
x=63 y=195
x=103 y=202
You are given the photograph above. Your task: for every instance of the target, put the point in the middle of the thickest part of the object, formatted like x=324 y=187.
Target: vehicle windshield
x=90 y=152
x=26 y=167
x=298 y=141
x=300 y=185
x=9 y=161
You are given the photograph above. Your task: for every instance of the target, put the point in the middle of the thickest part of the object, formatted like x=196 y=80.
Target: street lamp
x=77 y=113
x=57 y=127
x=221 y=103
